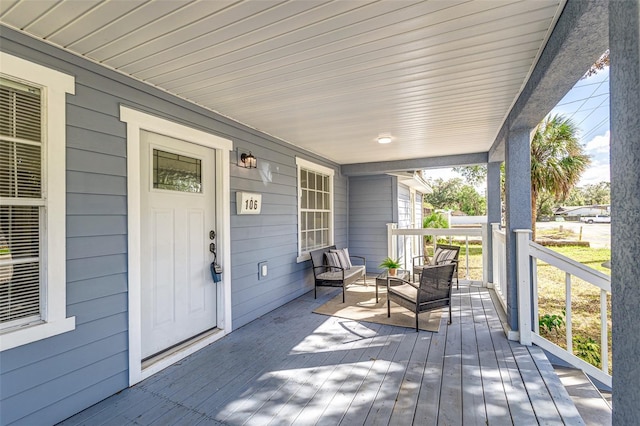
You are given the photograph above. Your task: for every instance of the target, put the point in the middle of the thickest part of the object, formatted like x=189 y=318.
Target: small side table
x=382 y=278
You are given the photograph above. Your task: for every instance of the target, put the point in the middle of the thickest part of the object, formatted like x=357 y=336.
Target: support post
x=624 y=74
x=517 y=209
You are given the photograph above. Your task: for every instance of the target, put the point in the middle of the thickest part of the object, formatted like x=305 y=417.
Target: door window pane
x=176 y=172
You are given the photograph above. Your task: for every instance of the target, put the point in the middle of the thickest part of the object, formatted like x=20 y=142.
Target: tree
x=433 y=220
x=444 y=193
x=576 y=197
x=598 y=194
x=599 y=65
x=470 y=202
x=557 y=160
x=453 y=194
x=590 y=195
x=545 y=204
x=474 y=175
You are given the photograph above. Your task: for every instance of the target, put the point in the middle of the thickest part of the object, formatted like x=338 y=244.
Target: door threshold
x=187 y=347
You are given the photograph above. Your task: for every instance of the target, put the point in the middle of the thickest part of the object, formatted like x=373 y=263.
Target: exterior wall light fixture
x=248 y=161
x=384 y=139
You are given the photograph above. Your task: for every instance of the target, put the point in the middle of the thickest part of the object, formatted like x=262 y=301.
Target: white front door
x=177 y=216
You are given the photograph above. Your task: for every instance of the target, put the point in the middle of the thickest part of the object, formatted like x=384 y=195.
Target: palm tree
x=557 y=160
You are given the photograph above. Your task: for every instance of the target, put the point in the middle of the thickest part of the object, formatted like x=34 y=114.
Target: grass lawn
x=585 y=300
x=585 y=305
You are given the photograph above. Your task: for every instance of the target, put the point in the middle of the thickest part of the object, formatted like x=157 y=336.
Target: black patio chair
x=443 y=254
x=433 y=291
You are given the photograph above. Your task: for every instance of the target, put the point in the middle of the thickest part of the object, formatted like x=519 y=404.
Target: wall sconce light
x=248 y=161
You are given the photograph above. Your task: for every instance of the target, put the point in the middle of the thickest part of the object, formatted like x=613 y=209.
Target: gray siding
x=49 y=380
x=404 y=207
x=371 y=207
x=272 y=236
x=404 y=252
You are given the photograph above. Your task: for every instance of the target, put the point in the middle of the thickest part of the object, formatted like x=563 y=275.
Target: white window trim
x=305 y=164
x=55 y=86
x=136 y=122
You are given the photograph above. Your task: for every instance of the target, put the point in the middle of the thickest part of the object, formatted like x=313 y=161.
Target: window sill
x=13 y=338
x=303 y=258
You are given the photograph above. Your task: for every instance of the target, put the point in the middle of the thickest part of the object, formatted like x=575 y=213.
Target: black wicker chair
x=443 y=254
x=433 y=291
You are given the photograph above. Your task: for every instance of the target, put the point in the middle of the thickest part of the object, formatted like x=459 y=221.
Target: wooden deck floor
x=295 y=367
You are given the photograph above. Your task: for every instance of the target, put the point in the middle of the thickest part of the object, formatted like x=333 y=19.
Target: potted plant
x=391 y=264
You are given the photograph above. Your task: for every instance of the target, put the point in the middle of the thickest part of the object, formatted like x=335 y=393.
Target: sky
x=587 y=104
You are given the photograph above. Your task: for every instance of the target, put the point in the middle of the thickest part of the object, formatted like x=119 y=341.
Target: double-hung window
x=315 y=207
x=32 y=202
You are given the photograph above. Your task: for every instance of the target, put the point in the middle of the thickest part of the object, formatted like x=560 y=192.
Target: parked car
x=599 y=218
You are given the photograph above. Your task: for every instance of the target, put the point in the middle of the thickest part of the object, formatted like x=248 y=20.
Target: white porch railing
x=528 y=253
x=499 y=257
x=406 y=243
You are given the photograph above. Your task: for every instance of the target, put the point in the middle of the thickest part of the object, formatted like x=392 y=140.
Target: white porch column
x=524 y=285
x=624 y=43
x=494 y=210
x=517 y=209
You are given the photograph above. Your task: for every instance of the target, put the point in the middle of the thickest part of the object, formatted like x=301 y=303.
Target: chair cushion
x=330 y=276
x=343 y=257
x=442 y=255
x=332 y=259
x=406 y=291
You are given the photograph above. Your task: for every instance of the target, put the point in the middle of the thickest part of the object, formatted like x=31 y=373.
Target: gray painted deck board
x=405 y=406
x=511 y=378
x=295 y=367
x=361 y=338
x=473 y=408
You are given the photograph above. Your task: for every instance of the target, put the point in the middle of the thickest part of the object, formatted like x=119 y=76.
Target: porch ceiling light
x=384 y=139
x=248 y=161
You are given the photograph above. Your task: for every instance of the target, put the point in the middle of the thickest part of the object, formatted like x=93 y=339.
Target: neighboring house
x=581 y=210
x=115 y=190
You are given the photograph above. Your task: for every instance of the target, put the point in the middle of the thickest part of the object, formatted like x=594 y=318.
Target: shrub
x=551 y=323
x=587 y=349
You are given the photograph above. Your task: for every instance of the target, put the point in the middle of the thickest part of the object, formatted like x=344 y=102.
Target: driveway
x=598 y=234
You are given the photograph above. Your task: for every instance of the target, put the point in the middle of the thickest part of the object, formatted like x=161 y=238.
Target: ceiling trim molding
x=414 y=164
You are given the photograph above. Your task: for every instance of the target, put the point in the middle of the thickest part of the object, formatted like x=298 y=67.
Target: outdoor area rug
x=360 y=305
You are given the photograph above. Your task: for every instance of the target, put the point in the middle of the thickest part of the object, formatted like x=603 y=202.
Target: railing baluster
x=534 y=288
x=567 y=307
x=604 y=332
x=467 y=254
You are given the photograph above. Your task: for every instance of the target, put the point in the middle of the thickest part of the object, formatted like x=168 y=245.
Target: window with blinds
x=22 y=203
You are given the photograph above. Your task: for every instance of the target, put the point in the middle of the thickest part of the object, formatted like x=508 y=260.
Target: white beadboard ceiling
x=329 y=76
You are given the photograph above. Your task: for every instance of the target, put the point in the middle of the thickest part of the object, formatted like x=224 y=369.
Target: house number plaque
x=248 y=203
